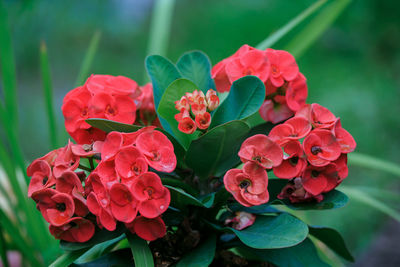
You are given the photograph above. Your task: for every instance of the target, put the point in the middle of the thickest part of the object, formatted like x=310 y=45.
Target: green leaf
x=178 y=183
x=332 y=239
x=332 y=200
x=245 y=98
x=201 y=256
x=196 y=67
x=100 y=236
x=276 y=36
x=122 y=257
x=270 y=232
x=367 y=161
x=302 y=255
x=162 y=73
x=141 y=251
x=88 y=59
x=109 y=126
x=216 y=151
x=303 y=40
x=167 y=109
x=48 y=94
x=67 y=258
x=180 y=198
x=360 y=196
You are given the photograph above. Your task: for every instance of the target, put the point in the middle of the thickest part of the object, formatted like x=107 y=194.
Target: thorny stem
x=84 y=168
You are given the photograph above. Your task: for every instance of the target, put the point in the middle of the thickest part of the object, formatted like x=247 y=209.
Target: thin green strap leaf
x=366 y=199
x=48 y=94
x=3 y=249
x=67 y=258
x=160 y=27
x=141 y=251
x=316 y=27
x=201 y=256
x=367 y=161
x=8 y=67
x=276 y=36
x=88 y=60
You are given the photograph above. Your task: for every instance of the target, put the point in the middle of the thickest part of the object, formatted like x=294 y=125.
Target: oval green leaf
x=245 y=98
x=201 y=256
x=167 y=110
x=196 y=67
x=216 y=151
x=180 y=198
x=109 y=126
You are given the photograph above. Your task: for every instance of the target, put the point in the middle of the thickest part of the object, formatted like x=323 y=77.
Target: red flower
x=123 y=204
x=116 y=85
x=130 y=163
x=295 y=192
x=321 y=147
x=296 y=93
x=344 y=138
x=293 y=129
x=98 y=202
x=87 y=150
x=248 y=186
x=219 y=74
x=154 y=198
x=319 y=116
x=158 y=150
x=41 y=174
x=261 y=150
x=283 y=67
x=76 y=110
x=148 y=229
x=116 y=108
x=274 y=112
x=294 y=163
x=203 y=120
x=241 y=220
x=56 y=208
x=88 y=136
x=252 y=62
x=317 y=180
x=145 y=105
x=186 y=123
x=74 y=230
x=70 y=183
x=106 y=172
x=65 y=161
x=212 y=100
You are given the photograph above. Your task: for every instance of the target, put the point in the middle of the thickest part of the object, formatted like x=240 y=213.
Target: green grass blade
x=88 y=60
x=3 y=249
x=303 y=40
x=141 y=251
x=48 y=94
x=276 y=36
x=366 y=161
x=68 y=257
x=369 y=200
x=8 y=67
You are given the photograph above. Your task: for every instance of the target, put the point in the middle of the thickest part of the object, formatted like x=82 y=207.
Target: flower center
x=244 y=184
x=294 y=161
x=149 y=191
x=110 y=110
x=73 y=224
x=274 y=69
x=61 y=207
x=136 y=169
x=84 y=112
x=315 y=150
x=156 y=156
x=45 y=179
x=248 y=71
x=87 y=147
x=314 y=174
x=257 y=158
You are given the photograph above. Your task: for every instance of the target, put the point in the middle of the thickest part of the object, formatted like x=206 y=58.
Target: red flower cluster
x=286 y=88
x=58 y=192
x=107 y=97
x=195 y=105
x=120 y=187
x=316 y=165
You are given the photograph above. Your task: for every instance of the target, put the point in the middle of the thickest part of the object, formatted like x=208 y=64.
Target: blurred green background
x=353 y=69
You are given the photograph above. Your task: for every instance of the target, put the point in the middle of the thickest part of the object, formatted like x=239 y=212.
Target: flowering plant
x=193 y=167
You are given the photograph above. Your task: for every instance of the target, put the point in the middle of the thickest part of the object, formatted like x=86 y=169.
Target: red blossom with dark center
x=117 y=108
x=296 y=94
x=344 y=138
x=317 y=180
x=203 y=120
x=248 y=186
x=123 y=204
x=154 y=198
x=76 y=110
x=74 y=230
x=294 y=162
x=130 y=163
x=41 y=174
x=148 y=229
x=261 y=150
x=321 y=147
x=65 y=161
x=158 y=150
x=88 y=136
x=116 y=85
